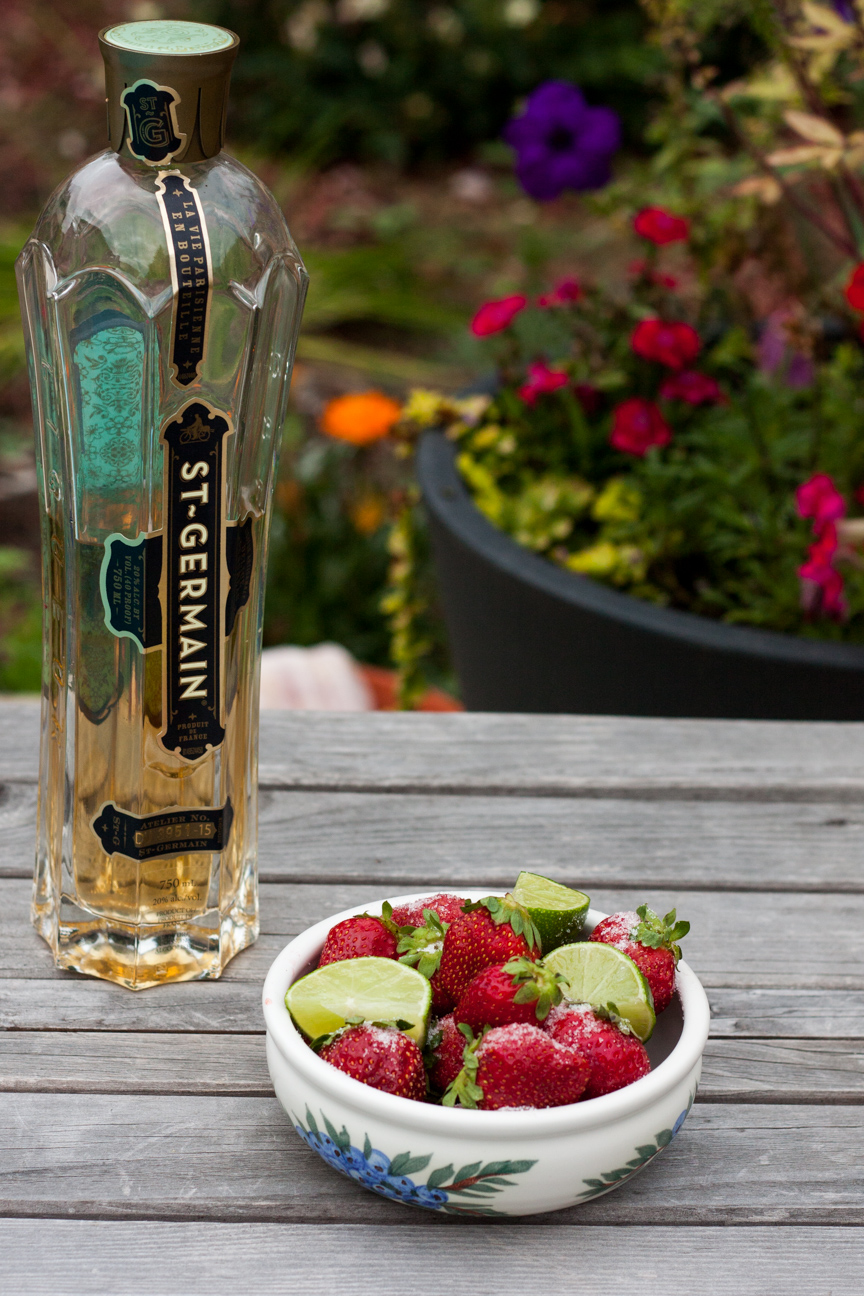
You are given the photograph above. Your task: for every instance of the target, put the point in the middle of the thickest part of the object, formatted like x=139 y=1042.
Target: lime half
x=604 y=977
x=369 y=989
x=558 y=912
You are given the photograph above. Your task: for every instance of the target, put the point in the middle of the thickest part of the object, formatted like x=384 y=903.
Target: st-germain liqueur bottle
x=162 y=295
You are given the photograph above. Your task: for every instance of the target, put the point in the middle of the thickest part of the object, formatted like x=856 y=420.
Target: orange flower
x=361 y=417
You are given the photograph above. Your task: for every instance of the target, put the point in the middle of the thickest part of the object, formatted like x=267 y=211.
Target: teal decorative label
x=129 y=582
x=109 y=366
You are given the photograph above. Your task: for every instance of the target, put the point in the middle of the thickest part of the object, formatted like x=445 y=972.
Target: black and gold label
x=178 y=831
x=191 y=273
x=194 y=580
x=151 y=114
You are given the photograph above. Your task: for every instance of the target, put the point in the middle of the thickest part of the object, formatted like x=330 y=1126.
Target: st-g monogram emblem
x=150 y=111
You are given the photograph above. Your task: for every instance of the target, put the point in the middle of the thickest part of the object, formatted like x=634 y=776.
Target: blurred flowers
x=637 y=425
x=660 y=226
x=673 y=344
x=565 y=293
x=692 y=387
x=821 y=582
x=541 y=379
x=360 y=418
x=493 y=316
x=561 y=143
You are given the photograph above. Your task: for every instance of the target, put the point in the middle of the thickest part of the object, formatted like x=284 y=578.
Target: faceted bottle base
x=141 y=956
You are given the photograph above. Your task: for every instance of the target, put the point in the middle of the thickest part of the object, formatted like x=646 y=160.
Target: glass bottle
x=162 y=295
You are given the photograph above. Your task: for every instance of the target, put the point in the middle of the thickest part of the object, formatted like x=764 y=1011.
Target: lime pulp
x=604 y=977
x=369 y=989
x=558 y=911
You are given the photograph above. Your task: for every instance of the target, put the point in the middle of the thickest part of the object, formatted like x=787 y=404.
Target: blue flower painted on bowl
x=471 y=1185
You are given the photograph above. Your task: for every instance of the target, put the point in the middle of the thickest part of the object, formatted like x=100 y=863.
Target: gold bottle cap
x=166 y=88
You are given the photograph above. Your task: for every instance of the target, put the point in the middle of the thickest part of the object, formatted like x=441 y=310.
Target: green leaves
x=660 y=933
x=421 y=947
x=535 y=982
x=465 y=1089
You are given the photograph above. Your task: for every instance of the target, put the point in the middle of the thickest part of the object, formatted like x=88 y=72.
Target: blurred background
x=377 y=124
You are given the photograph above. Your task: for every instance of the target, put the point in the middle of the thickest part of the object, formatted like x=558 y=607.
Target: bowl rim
x=456 y=1121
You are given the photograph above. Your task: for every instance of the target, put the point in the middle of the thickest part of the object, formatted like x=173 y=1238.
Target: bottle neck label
x=191 y=273
x=151 y=115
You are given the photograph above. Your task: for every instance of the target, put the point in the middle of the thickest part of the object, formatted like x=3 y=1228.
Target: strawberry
x=446 y=906
x=518 y=1066
x=444 y=1052
x=518 y=991
x=379 y=1056
x=615 y=1056
x=491 y=931
x=651 y=942
x=356 y=938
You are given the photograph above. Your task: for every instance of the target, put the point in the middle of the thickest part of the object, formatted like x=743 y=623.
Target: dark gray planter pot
x=529 y=636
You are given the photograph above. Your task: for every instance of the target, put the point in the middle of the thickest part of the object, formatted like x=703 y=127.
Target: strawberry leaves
x=421 y=947
x=465 y=1089
x=660 y=933
x=507 y=909
x=535 y=982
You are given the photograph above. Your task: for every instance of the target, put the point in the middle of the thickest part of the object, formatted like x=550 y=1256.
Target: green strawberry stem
x=507 y=909
x=660 y=933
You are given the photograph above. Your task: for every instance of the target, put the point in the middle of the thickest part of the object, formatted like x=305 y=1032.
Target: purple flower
x=844 y=9
x=777 y=356
x=561 y=143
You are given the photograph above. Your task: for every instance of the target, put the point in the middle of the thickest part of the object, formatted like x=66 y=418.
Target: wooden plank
x=813 y=1071
x=44 y=1257
x=746 y=940
x=231 y=1006
x=519 y=754
x=412 y=841
x=232 y=1159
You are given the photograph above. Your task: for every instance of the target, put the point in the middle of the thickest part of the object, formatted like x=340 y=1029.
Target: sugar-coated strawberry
x=379 y=1056
x=356 y=938
x=517 y=991
x=444 y=1052
x=445 y=905
x=651 y=942
x=615 y=1057
x=518 y=1066
x=493 y=931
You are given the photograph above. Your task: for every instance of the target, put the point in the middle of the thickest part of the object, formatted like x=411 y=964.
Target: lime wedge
x=371 y=989
x=558 y=912
x=603 y=976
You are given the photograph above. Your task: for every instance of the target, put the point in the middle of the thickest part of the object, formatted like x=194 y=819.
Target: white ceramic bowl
x=494 y=1163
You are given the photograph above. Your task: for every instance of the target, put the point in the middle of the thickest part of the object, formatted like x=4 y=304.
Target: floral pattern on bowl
x=390 y=1176
x=647 y=1152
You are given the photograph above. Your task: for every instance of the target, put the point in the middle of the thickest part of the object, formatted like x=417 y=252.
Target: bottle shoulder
x=106 y=214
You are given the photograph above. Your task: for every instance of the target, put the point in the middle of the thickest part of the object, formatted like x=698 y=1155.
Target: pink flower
x=493 y=316
x=637 y=425
x=693 y=387
x=855 y=288
x=565 y=293
x=541 y=379
x=660 y=226
x=672 y=344
x=820 y=499
x=588 y=397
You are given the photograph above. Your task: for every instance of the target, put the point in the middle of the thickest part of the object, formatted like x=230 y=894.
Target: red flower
x=637 y=425
x=660 y=226
x=855 y=288
x=693 y=387
x=588 y=397
x=493 y=316
x=541 y=379
x=565 y=293
x=674 y=344
x=820 y=499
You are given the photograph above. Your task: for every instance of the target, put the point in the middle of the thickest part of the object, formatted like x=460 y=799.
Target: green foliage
x=20 y=624
x=403 y=80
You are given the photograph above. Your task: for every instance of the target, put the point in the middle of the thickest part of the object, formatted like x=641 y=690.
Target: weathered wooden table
x=142 y=1147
